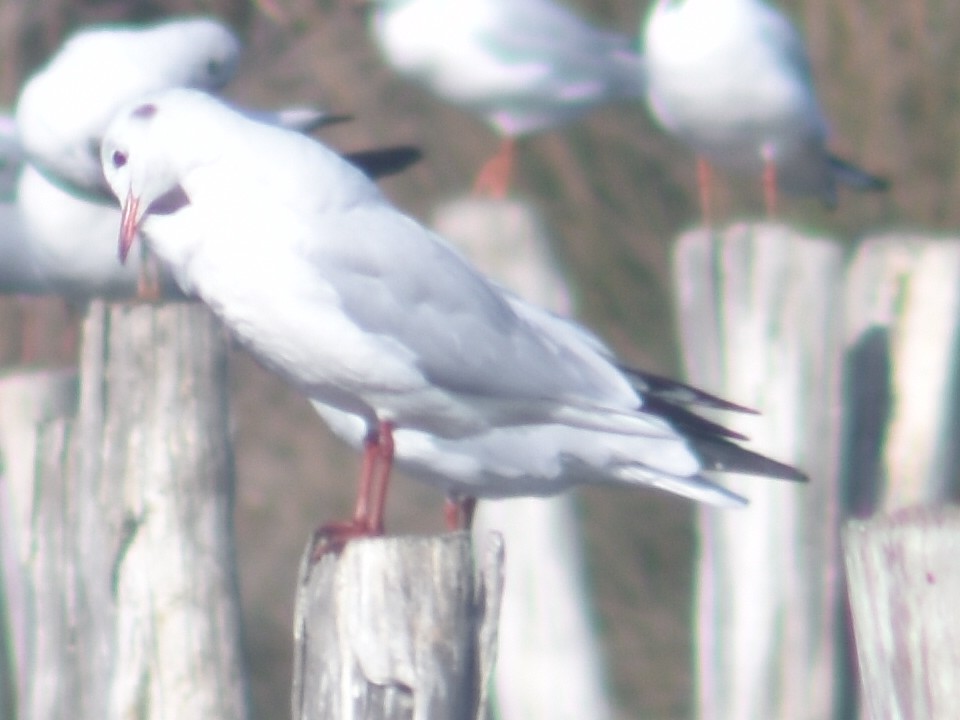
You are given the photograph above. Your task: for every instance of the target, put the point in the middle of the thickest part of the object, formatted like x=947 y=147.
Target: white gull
x=521 y=65
x=350 y=300
x=731 y=78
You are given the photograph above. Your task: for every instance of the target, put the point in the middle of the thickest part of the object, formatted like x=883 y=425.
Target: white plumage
x=731 y=78
x=371 y=314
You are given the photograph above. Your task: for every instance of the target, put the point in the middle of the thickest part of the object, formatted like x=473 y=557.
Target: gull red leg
x=381 y=478
x=371 y=491
x=770 y=191
x=494 y=177
x=458 y=513
x=29 y=330
x=705 y=187
x=368 y=466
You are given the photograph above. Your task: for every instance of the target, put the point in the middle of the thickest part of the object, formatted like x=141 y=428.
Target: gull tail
x=850 y=175
x=694 y=487
x=383 y=162
x=679 y=393
x=720 y=455
x=712 y=443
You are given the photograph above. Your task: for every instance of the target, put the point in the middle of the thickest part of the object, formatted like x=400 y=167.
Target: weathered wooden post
x=904 y=582
x=901 y=461
x=30 y=401
x=124 y=544
x=760 y=324
x=550 y=664
x=363 y=642
x=903 y=342
x=397 y=628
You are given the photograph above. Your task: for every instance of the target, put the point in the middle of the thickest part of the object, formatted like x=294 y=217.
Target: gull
x=63 y=109
x=521 y=65
x=731 y=79
x=53 y=242
x=354 y=303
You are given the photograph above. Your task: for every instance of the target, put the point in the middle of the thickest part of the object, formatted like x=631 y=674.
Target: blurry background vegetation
x=615 y=192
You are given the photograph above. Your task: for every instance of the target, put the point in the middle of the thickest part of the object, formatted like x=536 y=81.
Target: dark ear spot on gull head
x=168 y=203
x=145 y=111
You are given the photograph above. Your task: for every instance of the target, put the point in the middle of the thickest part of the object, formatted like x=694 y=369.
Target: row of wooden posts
x=119 y=582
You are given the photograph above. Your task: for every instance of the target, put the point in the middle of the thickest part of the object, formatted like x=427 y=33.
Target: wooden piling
x=904 y=583
x=125 y=551
x=759 y=317
x=397 y=628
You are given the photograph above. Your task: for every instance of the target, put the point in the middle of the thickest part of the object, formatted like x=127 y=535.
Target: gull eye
x=119 y=158
x=214 y=68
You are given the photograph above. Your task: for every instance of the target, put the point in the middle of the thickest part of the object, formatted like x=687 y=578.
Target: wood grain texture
x=904 y=582
x=903 y=337
x=760 y=325
x=397 y=628
x=129 y=572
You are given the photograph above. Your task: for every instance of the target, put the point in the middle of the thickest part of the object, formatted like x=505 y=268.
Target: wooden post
x=550 y=663
x=397 y=628
x=903 y=340
x=30 y=401
x=760 y=324
x=127 y=557
x=904 y=584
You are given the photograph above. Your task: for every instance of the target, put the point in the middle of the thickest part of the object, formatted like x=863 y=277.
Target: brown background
x=615 y=191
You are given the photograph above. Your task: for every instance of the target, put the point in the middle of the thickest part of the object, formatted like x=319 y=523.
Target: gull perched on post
x=357 y=305
x=521 y=65
x=732 y=80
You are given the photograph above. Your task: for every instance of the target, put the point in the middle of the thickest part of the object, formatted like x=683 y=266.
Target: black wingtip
x=687 y=421
x=719 y=455
x=680 y=393
x=857 y=178
x=383 y=162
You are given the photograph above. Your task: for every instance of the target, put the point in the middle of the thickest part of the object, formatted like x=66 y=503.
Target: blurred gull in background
x=64 y=108
x=521 y=65
x=731 y=78
x=364 y=310
x=62 y=235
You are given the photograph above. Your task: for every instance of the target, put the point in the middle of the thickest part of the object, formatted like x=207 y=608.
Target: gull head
x=142 y=154
x=203 y=52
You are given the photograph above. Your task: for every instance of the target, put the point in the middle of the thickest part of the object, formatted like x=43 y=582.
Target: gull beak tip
x=129 y=223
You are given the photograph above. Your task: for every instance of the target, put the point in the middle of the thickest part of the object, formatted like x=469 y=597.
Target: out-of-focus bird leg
x=705 y=186
x=148 y=277
x=770 y=191
x=458 y=512
x=495 y=176
x=371 y=493
x=381 y=477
